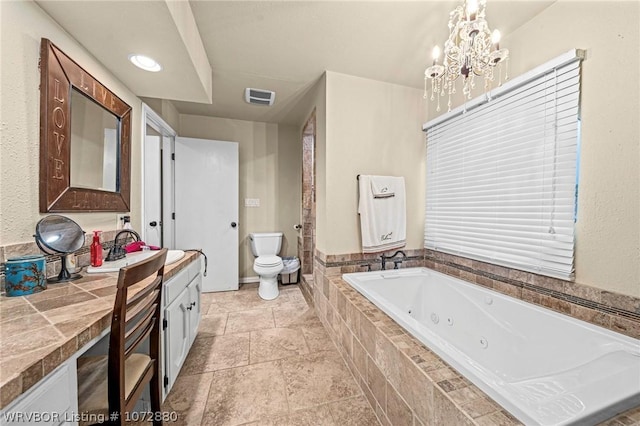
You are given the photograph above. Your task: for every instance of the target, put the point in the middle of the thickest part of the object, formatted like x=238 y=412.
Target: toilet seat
x=268 y=271
x=268 y=261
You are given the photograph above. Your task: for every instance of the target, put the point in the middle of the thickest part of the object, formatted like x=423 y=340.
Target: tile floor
x=257 y=362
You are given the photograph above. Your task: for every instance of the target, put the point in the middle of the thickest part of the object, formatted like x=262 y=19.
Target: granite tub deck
x=40 y=331
x=405 y=382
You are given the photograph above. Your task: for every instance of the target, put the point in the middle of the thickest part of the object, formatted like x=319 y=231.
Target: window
x=502 y=176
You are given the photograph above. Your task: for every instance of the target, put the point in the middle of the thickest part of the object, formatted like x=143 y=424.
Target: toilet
x=265 y=247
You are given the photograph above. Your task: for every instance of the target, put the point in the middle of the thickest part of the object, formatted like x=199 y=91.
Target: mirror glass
x=59 y=234
x=94 y=145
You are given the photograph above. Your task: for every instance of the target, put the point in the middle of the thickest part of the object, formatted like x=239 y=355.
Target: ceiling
x=283 y=46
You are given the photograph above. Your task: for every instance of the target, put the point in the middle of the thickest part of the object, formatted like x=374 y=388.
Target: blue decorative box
x=25 y=275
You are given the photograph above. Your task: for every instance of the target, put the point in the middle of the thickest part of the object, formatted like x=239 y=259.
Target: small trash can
x=291 y=272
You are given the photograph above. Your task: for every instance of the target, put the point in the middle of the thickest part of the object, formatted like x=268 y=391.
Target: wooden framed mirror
x=85 y=139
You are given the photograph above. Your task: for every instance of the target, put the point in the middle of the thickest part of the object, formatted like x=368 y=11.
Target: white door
x=152 y=190
x=206 y=206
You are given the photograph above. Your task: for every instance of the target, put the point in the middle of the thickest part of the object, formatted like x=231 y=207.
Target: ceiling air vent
x=259 y=96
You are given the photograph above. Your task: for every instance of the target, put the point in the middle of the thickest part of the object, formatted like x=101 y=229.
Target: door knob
x=153 y=223
x=233 y=224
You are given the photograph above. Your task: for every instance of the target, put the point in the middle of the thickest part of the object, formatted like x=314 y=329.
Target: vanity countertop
x=40 y=331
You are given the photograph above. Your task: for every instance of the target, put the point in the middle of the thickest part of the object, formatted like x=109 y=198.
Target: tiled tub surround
x=617 y=312
x=401 y=377
x=83 y=256
x=41 y=331
x=361 y=262
x=544 y=367
x=405 y=381
x=338 y=264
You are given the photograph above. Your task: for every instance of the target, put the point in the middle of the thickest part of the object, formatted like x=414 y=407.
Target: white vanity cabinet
x=52 y=401
x=181 y=317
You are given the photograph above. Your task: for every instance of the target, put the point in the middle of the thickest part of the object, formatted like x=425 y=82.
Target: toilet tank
x=265 y=243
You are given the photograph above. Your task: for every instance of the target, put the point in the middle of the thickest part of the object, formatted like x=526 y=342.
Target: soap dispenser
x=96 y=250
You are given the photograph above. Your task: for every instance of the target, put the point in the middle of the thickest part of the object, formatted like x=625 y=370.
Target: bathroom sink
x=173 y=256
x=133 y=258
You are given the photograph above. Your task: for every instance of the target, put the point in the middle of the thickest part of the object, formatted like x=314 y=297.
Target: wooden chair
x=111 y=385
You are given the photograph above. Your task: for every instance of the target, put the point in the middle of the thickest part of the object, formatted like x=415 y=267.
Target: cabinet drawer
x=194 y=269
x=174 y=286
x=48 y=403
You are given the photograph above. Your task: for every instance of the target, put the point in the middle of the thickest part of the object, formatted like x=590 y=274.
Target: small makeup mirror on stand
x=59 y=235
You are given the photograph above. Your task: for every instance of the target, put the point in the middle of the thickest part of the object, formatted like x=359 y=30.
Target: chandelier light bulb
x=495 y=37
x=436 y=54
x=472 y=9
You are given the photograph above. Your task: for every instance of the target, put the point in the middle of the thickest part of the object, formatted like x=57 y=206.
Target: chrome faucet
x=117 y=251
x=396 y=262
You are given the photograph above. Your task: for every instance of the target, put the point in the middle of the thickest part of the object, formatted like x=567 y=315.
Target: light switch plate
x=252 y=202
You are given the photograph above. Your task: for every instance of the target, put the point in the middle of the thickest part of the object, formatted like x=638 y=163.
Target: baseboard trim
x=247 y=280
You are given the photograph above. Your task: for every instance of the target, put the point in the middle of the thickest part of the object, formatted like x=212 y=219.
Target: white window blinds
x=502 y=177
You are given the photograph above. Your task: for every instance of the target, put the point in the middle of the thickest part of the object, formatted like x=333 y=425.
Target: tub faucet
x=117 y=251
x=396 y=262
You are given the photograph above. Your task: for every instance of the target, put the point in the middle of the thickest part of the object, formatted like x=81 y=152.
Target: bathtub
x=545 y=368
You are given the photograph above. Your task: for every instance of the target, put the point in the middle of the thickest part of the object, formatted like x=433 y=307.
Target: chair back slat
x=134 y=319
x=136 y=335
x=144 y=293
x=135 y=309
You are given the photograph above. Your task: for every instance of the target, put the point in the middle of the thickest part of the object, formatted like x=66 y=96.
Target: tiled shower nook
x=306 y=239
x=403 y=380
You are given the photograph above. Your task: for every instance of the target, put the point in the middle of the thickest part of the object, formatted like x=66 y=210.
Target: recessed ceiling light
x=144 y=62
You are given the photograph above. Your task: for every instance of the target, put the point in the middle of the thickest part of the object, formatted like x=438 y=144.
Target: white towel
x=383 y=221
x=382 y=186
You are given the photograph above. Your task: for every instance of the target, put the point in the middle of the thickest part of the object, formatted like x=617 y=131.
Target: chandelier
x=471 y=51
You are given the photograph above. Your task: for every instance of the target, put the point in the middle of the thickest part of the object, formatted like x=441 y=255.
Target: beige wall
x=270 y=169
x=23 y=24
x=608 y=226
x=372 y=128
